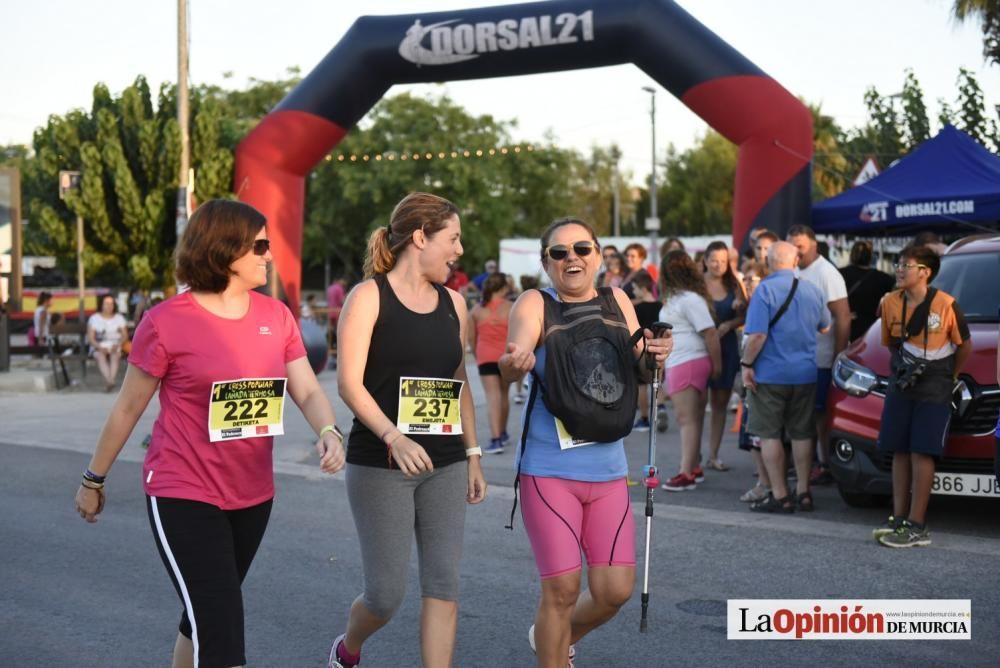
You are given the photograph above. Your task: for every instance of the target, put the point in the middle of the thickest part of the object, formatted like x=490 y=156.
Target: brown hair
x=494 y=283
x=643 y=279
x=560 y=222
x=639 y=248
x=729 y=280
x=416 y=211
x=924 y=255
x=800 y=231
x=678 y=272
x=219 y=232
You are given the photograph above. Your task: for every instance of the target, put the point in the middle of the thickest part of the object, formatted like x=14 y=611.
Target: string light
x=429 y=155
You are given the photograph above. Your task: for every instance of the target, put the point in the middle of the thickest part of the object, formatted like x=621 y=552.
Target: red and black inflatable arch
x=772 y=128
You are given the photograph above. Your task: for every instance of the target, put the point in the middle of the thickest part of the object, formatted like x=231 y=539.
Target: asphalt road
x=73 y=594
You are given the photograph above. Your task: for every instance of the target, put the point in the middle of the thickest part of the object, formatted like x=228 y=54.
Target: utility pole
x=616 y=195
x=183 y=116
x=653 y=222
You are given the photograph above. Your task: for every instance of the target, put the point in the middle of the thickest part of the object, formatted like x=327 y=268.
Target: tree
x=409 y=143
x=697 y=194
x=917 y=125
x=129 y=154
x=987 y=13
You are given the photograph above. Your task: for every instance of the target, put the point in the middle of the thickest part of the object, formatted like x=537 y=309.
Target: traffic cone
x=735 y=429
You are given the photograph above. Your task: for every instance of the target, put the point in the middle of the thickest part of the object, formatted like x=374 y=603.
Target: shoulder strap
x=858 y=283
x=784 y=307
x=535 y=382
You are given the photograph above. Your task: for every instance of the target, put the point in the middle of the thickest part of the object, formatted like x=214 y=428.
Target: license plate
x=965 y=484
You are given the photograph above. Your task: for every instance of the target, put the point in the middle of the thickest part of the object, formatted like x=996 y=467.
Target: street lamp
x=653 y=222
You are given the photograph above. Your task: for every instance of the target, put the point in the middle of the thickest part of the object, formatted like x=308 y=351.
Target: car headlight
x=853 y=378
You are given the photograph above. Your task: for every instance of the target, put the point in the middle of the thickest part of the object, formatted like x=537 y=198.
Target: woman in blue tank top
x=573 y=493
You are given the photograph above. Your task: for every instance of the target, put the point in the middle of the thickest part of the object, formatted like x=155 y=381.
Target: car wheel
x=861 y=500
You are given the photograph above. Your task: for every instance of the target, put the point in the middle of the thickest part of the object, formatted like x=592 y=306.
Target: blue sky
x=825 y=52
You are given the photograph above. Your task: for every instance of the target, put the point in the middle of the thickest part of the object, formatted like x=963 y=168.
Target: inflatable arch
x=772 y=128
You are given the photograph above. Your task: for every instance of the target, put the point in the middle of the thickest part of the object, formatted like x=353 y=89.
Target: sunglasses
x=561 y=251
x=261 y=246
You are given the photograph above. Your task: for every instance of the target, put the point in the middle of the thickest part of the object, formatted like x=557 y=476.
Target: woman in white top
x=41 y=319
x=107 y=332
x=696 y=357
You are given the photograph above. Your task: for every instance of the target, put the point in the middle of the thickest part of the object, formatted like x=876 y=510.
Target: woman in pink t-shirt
x=222 y=357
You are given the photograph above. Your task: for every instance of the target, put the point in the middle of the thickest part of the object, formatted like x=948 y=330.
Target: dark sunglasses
x=261 y=246
x=561 y=251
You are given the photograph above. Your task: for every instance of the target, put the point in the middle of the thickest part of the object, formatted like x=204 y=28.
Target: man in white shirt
x=822 y=273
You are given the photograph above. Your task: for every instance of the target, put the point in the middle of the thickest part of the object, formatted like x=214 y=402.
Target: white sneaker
x=531 y=642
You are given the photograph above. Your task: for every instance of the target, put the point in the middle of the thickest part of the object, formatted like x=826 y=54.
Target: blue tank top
x=598 y=462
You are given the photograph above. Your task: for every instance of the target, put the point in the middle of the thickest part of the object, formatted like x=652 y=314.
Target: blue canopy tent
x=946 y=181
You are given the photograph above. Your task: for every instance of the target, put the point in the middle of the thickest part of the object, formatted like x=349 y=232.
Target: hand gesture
x=659 y=348
x=89 y=503
x=409 y=456
x=477 y=482
x=517 y=360
x=331 y=453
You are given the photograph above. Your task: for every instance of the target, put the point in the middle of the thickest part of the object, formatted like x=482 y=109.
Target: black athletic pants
x=207 y=552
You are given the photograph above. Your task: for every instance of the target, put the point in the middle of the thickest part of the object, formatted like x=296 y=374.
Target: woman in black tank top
x=402 y=373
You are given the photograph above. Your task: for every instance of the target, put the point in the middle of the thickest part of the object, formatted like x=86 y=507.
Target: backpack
x=590 y=373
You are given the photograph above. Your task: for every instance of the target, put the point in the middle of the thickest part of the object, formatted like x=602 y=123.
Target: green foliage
x=128 y=152
x=697 y=194
x=917 y=126
x=499 y=195
x=987 y=13
x=971 y=116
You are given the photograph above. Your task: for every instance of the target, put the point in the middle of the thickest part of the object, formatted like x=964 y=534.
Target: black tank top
x=405 y=343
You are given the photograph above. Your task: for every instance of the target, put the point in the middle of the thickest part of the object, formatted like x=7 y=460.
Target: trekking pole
x=649 y=471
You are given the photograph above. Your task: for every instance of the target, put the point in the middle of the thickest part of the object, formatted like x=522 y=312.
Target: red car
x=970 y=272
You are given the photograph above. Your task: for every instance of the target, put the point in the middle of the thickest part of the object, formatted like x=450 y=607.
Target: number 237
x=431 y=407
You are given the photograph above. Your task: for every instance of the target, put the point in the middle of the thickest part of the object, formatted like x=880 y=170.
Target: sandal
x=717 y=465
x=755 y=493
x=770 y=504
x=804 y=501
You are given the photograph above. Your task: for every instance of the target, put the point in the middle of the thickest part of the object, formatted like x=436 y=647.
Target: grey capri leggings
x=388 y=509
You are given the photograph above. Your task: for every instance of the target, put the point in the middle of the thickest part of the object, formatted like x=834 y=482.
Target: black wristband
x=748 y=365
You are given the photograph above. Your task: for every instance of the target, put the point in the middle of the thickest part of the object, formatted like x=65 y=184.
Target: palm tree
x=987 y=12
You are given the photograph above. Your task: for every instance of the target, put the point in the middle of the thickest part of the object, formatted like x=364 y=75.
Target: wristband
x=93 y=477
x=473 y=451
x=332 y=429
x=748 y=365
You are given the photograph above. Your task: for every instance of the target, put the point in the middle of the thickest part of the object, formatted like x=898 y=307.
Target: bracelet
x=473 y=451
x=748 y=365
x=90 y=484
x=386 y=433
x=93 y=477
x=332 y=429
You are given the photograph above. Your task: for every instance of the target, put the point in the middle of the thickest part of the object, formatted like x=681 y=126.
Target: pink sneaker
x=680 y=483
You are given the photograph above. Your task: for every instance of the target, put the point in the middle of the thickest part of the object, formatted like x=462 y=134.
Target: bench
x=56 y=353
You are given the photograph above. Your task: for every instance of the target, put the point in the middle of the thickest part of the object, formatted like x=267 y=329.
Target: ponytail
x=379 y=258
x=416 y=211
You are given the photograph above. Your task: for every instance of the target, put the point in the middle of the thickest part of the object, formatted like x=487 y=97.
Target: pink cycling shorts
x=694 y=374
x=563 y=517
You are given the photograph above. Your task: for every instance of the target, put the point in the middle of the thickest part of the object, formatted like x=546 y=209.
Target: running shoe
x=642 y=424
x=494 y=448
x=662 y=419
x=518 y=398
x=335 y=660
x=504 y=438
x=699 y=474
x=680 y=483
x=887 y=527
x=906 y=535
x=531 y=642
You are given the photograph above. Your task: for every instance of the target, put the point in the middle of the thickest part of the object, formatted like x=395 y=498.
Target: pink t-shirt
x=189 y=348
